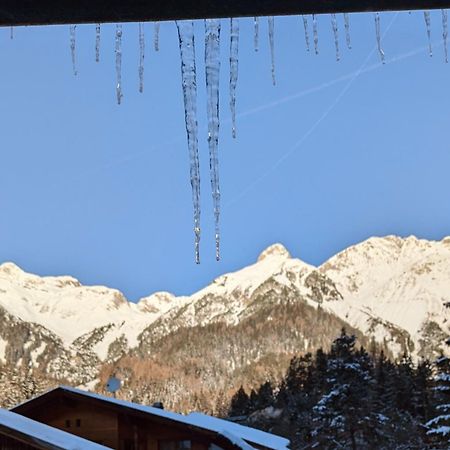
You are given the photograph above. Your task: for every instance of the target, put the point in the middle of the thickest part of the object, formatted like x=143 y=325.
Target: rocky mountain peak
x=157 y=302
x=275 y=250
x=10 y=268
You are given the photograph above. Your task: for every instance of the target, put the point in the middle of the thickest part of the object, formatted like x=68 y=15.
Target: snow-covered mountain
x=392 y=280
x=391 y=289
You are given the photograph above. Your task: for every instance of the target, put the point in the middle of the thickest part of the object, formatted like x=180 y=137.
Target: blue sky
x=334 y=153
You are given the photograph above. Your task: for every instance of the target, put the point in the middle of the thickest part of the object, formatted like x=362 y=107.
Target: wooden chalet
x=21 y=433
x=124 y=425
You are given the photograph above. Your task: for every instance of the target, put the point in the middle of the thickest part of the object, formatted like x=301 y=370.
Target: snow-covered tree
x=439 y=426
x=348 y=415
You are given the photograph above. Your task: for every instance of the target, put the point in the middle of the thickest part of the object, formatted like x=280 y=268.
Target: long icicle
x=73 y=47
x=156 y=36
x=189 y=84
x=347 y=30
x=271 y=23
x=212 y=65
x=378 y=36
x=427 y=17
x=141 y=56
x=445 y=33
x=119 y=63
x=97 y=42
x=305 y=26
x=234 y=60
x=256 y=33
x=11 y=33
x=316 y=34
x=334 y=25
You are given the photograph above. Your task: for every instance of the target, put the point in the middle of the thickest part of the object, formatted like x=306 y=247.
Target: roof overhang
x=52 y=12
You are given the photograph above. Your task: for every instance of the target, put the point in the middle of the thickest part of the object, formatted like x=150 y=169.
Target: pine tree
x=405 y=384
x=253 y=401
x=421 y=397
x=265 y=396
x=439 y=426
x=296 y=399
x=346 y=416
x=240 y=403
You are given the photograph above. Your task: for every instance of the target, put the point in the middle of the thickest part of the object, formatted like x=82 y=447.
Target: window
x=67 y=423
x=78 y=423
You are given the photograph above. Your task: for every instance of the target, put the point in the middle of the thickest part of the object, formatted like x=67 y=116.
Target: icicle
x=189 y=83
x=141 y=56
x=305 y=26
x=378 y=34
x=119 y=62
x=316 y=35
x=234 y=52
x=445 y=32
x=427 y=17
x=156 y=36
x=212 y=65
x=347 y=30
x=97 y=42
x=11 y=33
x=73 y=47
x=336 y=35
x=256 y=35
x=271 y=22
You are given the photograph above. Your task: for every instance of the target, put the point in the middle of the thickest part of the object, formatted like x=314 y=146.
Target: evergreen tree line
x=349 y=399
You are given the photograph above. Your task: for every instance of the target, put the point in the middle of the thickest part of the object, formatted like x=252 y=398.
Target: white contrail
x=298 y=144
x=330 y=83
x=267 y=106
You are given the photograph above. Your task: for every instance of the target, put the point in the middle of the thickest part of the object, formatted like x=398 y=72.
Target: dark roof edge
x=53 y=12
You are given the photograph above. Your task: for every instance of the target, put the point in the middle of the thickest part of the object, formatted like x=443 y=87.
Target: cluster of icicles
x=212 y=65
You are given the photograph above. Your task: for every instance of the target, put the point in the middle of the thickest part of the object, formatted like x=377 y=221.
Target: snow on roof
x=237 y=441
x=225 y=428
x=249 y=434
x=40 y=432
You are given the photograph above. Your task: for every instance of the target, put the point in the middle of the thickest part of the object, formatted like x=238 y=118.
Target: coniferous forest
x=349 y=398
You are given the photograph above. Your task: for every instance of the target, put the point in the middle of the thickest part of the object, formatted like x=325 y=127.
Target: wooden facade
x=120 y=426
x=13 y=443
x=48 y=12
x=21 y=433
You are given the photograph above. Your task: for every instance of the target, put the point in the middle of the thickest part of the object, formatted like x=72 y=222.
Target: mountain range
x=242 y=329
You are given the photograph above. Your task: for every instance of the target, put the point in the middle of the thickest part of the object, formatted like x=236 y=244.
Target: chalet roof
x=46 y=12
x=240 y=436
x=40 y=435
x=246 y=433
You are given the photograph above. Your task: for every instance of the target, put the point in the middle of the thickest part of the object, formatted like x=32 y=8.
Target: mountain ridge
x=71 y=301
x=388 y=290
